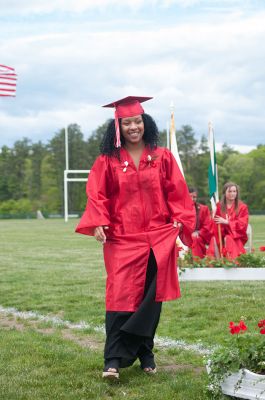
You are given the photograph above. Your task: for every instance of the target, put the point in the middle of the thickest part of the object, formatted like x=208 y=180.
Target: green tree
x=50 y=196
x=37 y=153
x=226 y=152
x=17 y=165
x=34 y=171
x=186 y=146
x=5 y=169
x=257 y=184
x=203 y=146
x=239 y=169
x=93 y=143
x=163 y=138
x=198 y=173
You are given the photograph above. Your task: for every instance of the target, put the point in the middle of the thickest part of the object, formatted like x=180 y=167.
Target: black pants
x=130 y=335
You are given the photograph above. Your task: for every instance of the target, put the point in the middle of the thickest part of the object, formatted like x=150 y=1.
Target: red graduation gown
x=203 y=227
x=234 y=235
x=139 y=207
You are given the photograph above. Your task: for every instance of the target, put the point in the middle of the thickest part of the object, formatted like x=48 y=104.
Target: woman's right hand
x=100 y=234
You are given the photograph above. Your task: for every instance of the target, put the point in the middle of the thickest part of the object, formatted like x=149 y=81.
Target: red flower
x=242 y=325
x=262 y=248
x=261 y=323
x=235 y=329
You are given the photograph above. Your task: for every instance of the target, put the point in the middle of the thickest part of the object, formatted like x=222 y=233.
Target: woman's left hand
x=177 y=224
x=220 y=220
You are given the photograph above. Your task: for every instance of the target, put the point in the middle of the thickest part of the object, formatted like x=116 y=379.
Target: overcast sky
x=72 y=56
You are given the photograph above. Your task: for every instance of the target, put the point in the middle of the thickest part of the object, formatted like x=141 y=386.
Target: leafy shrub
x=14 y=207
x=243 y=261
x=243 y=350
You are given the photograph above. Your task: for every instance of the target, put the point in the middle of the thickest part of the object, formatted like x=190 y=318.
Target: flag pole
x=219 y=225
x=219 y=232
x=174 y=150
x=213 y=181
x=65 y=174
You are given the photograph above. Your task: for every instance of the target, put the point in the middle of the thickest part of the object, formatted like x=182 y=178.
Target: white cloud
x=211 y=69
x=74 y=6
x=237 y=147
x=32 y=7
x=43 y=124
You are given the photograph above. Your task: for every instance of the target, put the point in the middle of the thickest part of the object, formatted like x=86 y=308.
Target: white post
x=168 y=144
x=65 y=196
x=66 y=148
x=171 y=108
x=65 y=175
x=68 y=179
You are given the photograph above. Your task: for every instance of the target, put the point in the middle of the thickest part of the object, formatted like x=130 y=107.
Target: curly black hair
x=150 y=137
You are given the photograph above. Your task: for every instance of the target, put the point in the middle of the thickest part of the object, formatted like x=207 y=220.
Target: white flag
x=173 y=143
x=175 y=152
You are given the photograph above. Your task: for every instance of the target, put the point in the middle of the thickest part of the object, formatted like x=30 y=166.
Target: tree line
x=31 y=174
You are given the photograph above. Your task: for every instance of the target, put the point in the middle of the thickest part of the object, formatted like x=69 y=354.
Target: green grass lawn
x=47 y=268
x=258 y=225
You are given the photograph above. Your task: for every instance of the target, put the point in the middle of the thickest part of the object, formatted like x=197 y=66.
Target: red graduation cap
x=127 y=107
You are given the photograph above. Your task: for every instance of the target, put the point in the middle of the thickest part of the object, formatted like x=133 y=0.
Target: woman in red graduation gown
x=232 y=216
x=138 y=203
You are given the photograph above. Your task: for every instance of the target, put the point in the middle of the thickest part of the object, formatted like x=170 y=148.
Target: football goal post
x=67 y=179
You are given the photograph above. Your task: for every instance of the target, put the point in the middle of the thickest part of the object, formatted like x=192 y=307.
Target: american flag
x=8 y=81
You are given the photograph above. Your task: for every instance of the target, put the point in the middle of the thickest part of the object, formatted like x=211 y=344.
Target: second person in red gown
x=232 y=217
x=202 y=234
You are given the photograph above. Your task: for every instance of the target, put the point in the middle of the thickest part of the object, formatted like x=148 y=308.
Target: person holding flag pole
x=230 y=215
x=203 y=228
x=231 y=218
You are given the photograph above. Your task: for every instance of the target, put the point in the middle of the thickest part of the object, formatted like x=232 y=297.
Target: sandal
x=111 y=373
x=148 y=363
x=149 y=370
